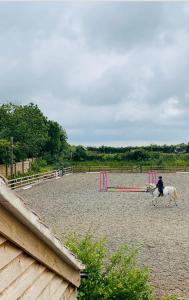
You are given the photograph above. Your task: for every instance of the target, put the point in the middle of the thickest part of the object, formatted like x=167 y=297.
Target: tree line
x=27 y=133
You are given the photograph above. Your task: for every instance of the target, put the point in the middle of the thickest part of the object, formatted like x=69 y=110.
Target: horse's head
x=150 y=187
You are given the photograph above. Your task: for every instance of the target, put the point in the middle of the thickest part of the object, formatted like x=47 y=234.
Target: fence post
x=22 y=166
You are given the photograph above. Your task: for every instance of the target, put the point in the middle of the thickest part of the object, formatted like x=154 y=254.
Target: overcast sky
x=110 y=73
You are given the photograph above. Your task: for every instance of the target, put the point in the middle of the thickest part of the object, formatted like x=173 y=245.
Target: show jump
x=104 y=184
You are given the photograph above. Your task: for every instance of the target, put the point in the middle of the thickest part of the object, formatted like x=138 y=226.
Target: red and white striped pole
x=103 y=181
x=152 y=177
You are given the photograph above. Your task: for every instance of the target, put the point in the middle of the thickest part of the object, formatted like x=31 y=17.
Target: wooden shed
x=33 y=263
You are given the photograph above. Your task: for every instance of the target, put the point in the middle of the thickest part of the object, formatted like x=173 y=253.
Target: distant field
x=74 y=203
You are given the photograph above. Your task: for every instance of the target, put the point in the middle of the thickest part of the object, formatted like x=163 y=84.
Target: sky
x=111 y=73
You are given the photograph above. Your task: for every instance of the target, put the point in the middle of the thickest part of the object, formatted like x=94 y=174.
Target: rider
x=160 y=186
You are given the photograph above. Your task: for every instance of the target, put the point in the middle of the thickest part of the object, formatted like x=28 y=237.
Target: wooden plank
x=68 y=294
x=30 y=176
x=60 y=291
x=2 y=239
x=14 y=269
x=73 y=295
x=39 y=285
x=19 y=234
x=17 y=288
x=50 y=289
x=7 y=253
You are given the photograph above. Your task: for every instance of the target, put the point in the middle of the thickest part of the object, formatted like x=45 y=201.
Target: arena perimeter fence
x=131 y=169
x=37 y=178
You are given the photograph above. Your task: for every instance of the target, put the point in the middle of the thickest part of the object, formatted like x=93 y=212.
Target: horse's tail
x=175 y=194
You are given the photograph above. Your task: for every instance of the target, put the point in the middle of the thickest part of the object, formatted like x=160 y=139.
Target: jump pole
x=105 y=188
x=152 y=177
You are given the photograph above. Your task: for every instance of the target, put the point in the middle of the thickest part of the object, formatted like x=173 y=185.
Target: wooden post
x=12 y=155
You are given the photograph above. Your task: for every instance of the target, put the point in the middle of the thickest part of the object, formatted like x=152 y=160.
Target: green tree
x=5 y=153
x=139 y=155
x=33 y=134
x=27 y=125
x=56 y=138
x=80 y=153
x=187 y=148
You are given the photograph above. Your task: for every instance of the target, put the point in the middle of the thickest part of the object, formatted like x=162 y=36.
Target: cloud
x=103 y=70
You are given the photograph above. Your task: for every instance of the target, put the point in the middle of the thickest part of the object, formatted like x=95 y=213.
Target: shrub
x=118 y=277
x=39 y=165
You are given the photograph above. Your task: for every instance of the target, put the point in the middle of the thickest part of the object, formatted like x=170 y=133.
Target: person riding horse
x=160 y=186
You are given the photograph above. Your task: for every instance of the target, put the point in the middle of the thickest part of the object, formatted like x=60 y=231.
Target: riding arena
x=118 y=206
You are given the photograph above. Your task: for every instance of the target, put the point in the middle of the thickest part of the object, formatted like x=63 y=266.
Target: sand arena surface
x=74 y=203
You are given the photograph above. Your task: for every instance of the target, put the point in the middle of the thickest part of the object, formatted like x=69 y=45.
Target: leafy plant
x=39 y=165
x=118 y=277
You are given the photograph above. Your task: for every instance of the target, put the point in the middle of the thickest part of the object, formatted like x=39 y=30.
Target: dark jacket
x=159 y=184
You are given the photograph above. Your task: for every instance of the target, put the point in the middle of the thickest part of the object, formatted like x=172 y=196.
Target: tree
x=33 y=133
x=80 y=153
x=5 y=153
x=27 y=125
x=187 y=148
x=56 y=138
x=137 y=155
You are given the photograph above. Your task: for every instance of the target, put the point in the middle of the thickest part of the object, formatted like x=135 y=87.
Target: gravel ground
x=74 y=203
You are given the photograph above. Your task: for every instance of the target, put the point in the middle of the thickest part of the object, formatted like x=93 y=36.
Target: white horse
x=169 y=191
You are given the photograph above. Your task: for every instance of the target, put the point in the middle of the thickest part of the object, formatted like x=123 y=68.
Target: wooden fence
x=19 y=167
x=37 y=178
x=131 y=169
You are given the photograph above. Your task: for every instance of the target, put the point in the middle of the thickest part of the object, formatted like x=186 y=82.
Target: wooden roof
x=24 y=237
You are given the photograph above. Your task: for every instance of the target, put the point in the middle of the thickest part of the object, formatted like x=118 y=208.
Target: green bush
x=39 y=165
x=118 y=277
x=20 y=174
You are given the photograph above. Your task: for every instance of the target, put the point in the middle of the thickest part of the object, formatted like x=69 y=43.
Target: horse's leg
x=154 y=198
x=170 y=199
x=175 y=199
